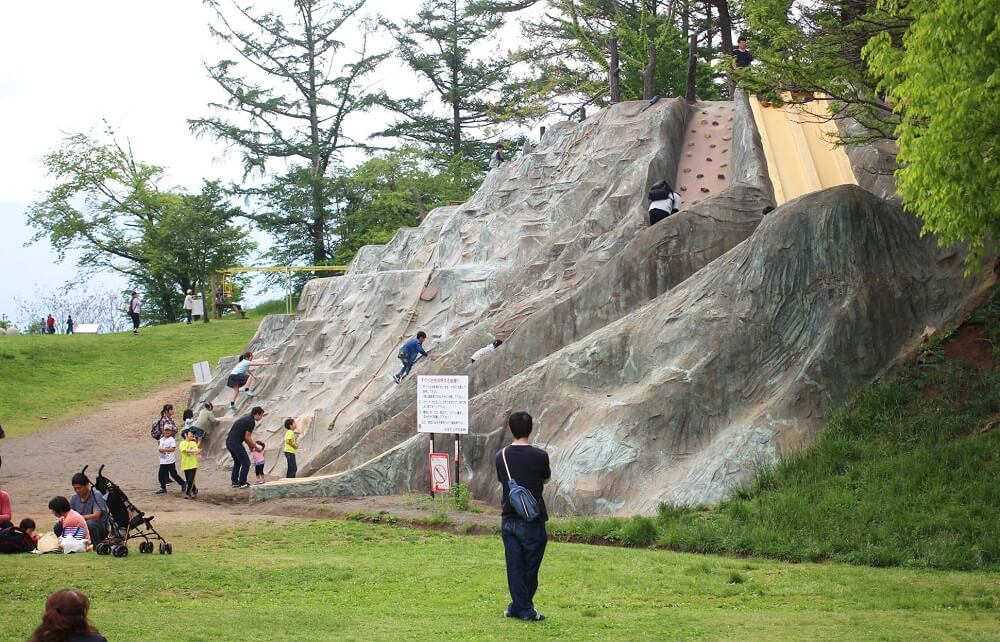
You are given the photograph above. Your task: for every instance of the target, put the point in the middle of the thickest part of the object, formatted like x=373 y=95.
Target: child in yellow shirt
x=291 y=445
x=189 y=461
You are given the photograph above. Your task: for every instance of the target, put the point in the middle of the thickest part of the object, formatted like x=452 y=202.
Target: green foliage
x=67 y=375
x=460 y=497
x=944 y=81
x=108 y=206
x=342 y=580
x=467 y=89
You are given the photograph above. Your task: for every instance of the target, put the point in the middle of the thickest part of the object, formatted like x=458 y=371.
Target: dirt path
x=38 y=466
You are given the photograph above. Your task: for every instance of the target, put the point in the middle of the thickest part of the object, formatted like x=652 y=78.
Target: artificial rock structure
x=662 y=363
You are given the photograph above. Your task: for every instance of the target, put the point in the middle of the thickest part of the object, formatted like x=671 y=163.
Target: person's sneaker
x=506 y=613
x=162 y=491
x=245 y=486
x=232 y=406
x=248 y=392
x=396 y=378
x=236 y=485
x=169 y=481
x=184 y=488
x=194 y=493
x=537 y=617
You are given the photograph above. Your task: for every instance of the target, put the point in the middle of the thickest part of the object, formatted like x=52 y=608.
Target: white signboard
x=202 y=372
x=443 y=404
x=197 y=306
x=86 y=328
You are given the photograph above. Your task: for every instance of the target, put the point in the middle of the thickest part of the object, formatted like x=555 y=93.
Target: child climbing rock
x=663 y=201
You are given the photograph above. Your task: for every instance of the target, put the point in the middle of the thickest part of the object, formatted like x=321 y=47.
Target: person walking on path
x=291 y=447
x=189 y=461
x=241 y=376
x=408 y=354
x=134 y=305
x=69 y=324
x=168 y=460
x=523 y=541
x=497 y=158
x=188 y=305
x=486 y=350
x=50 y=324
x=241 y=433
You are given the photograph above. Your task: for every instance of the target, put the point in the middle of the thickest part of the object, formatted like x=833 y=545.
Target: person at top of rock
x=497 y=158
x=486 y=350
x=663 y=201
x=409 y=353
x=742 y=56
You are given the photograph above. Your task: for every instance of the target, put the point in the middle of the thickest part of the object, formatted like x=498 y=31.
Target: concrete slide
x=800 y=157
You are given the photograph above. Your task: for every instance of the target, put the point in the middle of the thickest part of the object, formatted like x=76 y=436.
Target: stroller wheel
x=103 y=548
x=142 y=547
x=119 y=550
x=170 y=548
x=163 y=549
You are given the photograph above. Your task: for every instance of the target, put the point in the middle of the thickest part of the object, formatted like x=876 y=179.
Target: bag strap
x=503 y=455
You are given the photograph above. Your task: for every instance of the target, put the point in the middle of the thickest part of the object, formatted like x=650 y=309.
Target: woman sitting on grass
x=241 y=376
x=65 y=620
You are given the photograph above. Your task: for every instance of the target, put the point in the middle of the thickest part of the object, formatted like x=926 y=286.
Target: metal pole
x=458 y=447
x=429 y=463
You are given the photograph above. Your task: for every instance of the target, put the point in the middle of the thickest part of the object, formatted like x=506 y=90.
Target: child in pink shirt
x=258 y=462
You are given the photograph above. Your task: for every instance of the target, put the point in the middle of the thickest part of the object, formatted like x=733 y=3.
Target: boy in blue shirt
x=409 y=353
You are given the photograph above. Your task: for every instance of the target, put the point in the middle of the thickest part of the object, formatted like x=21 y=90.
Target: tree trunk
x=692 y=76
x=318 y=166
x=726 y=38
x=421 y=210
x=614 y=72
x=456 y=99
x=649 y=73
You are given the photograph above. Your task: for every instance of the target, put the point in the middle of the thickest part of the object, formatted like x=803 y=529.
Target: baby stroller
x=127 y=522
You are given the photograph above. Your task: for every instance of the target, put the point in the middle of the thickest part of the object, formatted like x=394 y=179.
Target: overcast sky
x=137 y=64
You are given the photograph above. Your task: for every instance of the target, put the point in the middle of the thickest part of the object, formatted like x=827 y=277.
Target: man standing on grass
x=523 y=541
x=188 y=306
x=242 y=433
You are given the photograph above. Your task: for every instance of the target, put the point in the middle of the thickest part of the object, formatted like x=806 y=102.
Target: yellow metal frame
x=226 y=277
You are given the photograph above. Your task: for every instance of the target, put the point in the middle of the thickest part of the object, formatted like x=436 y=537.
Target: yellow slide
x=800 y=157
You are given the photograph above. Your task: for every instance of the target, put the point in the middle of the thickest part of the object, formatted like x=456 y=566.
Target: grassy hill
x=908 y=474
x=45 y=378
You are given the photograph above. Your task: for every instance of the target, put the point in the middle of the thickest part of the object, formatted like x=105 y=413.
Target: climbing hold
x=687 y=169
x=694 y=131
x=711 y=146
x=724 y=151
x=700 y=176
x=684 y=188
x=721 y=177
x=705 y=112
x=724 y=165
x=709 y=159
x=727 y=138
x=704 y=121
x=715 y=123
x=688 y=155
x=690 y=144
x=708 y=135
x=706 y=190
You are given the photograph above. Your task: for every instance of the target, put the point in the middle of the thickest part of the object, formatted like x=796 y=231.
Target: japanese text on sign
x=443 y=404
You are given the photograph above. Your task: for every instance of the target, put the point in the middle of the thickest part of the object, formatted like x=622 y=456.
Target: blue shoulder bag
x=520 y=498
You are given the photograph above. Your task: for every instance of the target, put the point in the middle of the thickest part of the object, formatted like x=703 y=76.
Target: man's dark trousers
x=241 y=463
x=523 y=545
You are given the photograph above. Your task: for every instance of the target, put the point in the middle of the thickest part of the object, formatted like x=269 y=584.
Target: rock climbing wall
x=706 y=153
x=663 y=363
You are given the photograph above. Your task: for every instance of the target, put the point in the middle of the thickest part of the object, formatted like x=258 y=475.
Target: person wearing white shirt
x=663 y=201
x=188 y=305
x=485 y=350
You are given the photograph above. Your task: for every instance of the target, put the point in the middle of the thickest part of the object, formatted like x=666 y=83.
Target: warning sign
x=440 y=473
x=443 y=404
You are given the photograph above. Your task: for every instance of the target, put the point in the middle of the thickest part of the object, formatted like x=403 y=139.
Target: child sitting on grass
x=27 y=525
x=258 y=462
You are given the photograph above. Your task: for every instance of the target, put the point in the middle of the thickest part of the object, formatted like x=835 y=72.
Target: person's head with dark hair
x=260 y=444
x=59 y=505
x=187 y=434
x=741 y=42
x=257 y=413
x=421 y=336
x=208 y=405
x=81 y=485
x=497 y=343
x=520 y=424
x=499 y=146
x=27 y=525
x=188 y=414
x=65 y=617
x=289 y=423
x=247 y=356
x=167 y=408
x=80 y=479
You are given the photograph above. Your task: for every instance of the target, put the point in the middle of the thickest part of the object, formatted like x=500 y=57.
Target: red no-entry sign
x=440 y=473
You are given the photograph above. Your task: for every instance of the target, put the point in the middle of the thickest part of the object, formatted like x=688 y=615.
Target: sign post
x=443 y=407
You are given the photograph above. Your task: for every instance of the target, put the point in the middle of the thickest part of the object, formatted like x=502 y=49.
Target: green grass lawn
x=329 y=580
x=62 y=375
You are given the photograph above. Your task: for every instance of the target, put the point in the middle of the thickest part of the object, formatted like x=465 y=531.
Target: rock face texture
x=661 y=363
